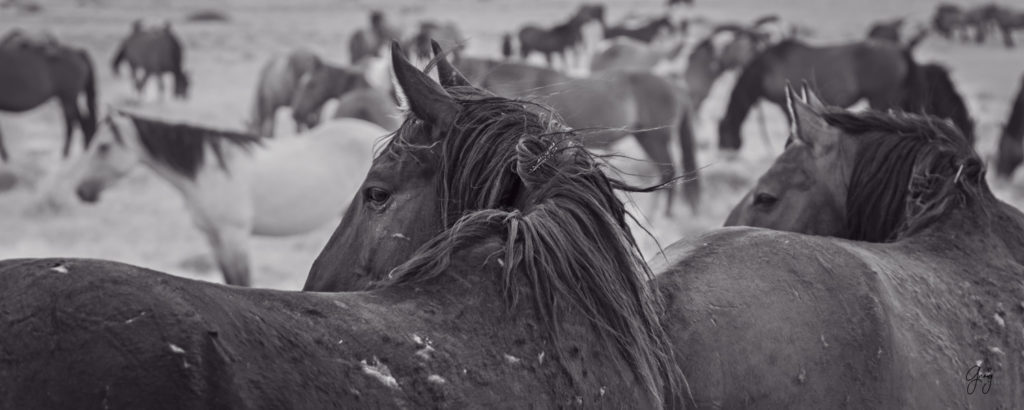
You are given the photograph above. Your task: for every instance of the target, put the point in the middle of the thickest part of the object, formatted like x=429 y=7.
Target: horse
x=235 y=185
x=556 y=40
x=760 y=318
x=625 y=54
x=645 y=33
x=367 y=43
x=1010 y=151
x=1008 y=20
x=612 y=105
x=154 y=51
x=932 y=92
x=30 y=76
x=546 y=305
x=886 y=30
x=713 y=55
x=881 y=72
x=323 y=83
x=372 y=105
x=446 y=34
x=279 y=79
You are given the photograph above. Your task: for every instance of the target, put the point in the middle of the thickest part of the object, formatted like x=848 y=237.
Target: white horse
x=235 y=184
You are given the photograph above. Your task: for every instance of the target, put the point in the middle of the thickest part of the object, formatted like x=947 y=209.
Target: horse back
x=26 y=78
x=156 y=51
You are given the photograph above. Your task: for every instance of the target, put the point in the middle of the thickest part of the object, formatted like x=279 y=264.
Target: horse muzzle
x=89 y=191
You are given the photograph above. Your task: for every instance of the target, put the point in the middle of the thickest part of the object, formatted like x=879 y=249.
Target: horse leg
x=140 y=83
x=3 y=149
x=71 y=115
x=230 y=248
x=160 y=85
x=656 y=143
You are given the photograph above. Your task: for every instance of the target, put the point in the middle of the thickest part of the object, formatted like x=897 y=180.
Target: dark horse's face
x=804 y=190
x=396 y=209
x=309 y=98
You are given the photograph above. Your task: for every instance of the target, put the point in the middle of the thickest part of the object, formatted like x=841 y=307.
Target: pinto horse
x=761 y=318
x=30 y=76
x=544 y=305
x=236 y=185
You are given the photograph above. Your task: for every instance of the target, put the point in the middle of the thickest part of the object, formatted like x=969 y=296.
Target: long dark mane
x=932 y=92
x=567 y=244
x=909 y=170
x=182 y=147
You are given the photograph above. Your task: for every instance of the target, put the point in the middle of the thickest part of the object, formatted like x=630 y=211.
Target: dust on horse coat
x=760 y=318
x=612 y=106
x=279 y=78
x=30 y=76
x=1010 y=151
x=154 y=52
x=233 y=184
x=842 y=74
x=503 y=309
x=372 y=105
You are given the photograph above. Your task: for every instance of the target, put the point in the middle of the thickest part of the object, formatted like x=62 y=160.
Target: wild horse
x=761 y=318
x=30 y=76
x=544 y=305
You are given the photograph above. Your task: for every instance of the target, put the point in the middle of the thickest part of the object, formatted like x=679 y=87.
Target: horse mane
x=567 y=246
x=182 y=147
x=931 y=91
x=909 y=171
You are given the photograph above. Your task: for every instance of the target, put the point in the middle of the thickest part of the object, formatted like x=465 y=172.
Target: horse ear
x=426 y=99
x=446 y=73
x=811 y=98
x=807 y=125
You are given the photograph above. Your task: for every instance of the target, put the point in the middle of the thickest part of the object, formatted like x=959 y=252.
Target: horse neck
x=747 y=91
x=700 y=75
x=210 y=170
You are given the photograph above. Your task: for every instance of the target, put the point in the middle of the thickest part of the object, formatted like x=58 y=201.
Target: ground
x=143 y=220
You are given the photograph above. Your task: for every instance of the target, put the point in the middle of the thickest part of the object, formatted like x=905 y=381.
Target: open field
x=143 y=220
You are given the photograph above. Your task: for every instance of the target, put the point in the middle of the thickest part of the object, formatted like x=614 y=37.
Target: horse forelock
x=567 y=247
x=182 y=147
x=908 y=170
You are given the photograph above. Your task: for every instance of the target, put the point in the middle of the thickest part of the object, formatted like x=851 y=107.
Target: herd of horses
x=487 y=259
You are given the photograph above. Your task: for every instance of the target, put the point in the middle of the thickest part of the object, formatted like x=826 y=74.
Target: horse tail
x=89 y=124
x=691 y=188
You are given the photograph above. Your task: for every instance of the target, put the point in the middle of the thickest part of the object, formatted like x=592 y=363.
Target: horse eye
x=377 y=196
x=763 y=199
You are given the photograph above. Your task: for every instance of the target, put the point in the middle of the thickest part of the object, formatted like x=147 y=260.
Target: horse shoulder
x=762 y=317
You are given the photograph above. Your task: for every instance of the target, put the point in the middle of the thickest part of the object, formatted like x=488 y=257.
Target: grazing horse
x=233 y=184
x=645 y=33
x=539 y=306
x=320 y=85
x=760 y=318
x=279 y=79
x=30 y=76
x=1010 y=152
x=880 y=72
x=611 y=106
x=556 y=40
x=154 y=51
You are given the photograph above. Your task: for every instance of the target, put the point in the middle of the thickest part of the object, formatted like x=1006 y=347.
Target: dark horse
x=153 y=52
x=645 y=33
x=321 y=84
x=30 y=76
x=543 y=305
x=760 y=318
x=1010 y=150
x=556 y=40
x=882 y=72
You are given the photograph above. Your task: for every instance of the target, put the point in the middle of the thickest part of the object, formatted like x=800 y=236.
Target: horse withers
x=153 y=52
x=236 y=185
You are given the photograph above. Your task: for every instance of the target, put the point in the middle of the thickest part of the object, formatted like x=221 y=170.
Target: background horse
x=625 y=54
x=446 y=34
x=541 y=307
x=1010 y=151
x=879 y=72
x=154 y=51
x=279 y=79
x=645 y=33
x=932 y=92
x=367 y=42
x=556 y=40
x=322 y=84
x=372 y=105
x=611 y=106
x=30 y=76
x=233 y=184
